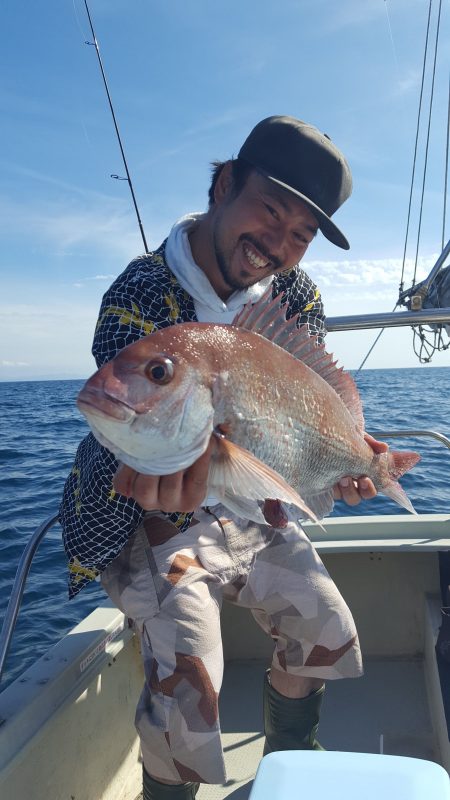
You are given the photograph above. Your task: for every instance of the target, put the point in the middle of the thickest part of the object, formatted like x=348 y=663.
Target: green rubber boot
x=155 y=790
x=291 y=723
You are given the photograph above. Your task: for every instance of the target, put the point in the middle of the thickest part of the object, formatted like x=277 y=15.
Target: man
x=168 y=568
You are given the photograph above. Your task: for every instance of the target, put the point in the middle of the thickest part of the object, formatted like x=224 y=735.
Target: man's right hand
x=183 y=491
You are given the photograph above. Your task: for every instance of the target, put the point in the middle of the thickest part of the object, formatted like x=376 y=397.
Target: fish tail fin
x=399 y=463
x=396 y=493
x=393 y=465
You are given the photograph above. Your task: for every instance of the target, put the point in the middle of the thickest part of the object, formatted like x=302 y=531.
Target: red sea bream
x=289 y=422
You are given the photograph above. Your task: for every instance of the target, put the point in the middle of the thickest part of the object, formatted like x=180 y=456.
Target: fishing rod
x=128 y=178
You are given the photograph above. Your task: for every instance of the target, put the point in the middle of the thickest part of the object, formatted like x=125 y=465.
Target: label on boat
x=101 y=647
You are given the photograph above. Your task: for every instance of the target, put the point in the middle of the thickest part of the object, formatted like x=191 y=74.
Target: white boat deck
x=69 y=718
x=385 y=709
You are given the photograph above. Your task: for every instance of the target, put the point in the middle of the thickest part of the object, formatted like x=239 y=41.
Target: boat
x=66 y=723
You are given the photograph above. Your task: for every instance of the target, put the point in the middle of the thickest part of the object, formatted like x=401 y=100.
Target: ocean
x=40 y=429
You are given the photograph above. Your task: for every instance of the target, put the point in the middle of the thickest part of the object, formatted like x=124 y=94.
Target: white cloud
x=108 y=227
x=407 y=83
x=374 y=273
x=14 y=364
x=81 y=282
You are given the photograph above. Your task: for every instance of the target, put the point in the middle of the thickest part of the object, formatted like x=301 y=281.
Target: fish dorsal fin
x=268 y=318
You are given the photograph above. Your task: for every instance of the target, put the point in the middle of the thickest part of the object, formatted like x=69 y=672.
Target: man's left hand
x=353 y=491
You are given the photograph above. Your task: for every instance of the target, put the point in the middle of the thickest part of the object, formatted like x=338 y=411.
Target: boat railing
x=15 y=600
x=391 y=319
x=23 y=568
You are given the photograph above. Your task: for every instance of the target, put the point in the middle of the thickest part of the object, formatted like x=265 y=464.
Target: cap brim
x=328 y=228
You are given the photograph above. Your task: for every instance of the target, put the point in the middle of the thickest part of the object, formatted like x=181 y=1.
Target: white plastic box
x=312 y=775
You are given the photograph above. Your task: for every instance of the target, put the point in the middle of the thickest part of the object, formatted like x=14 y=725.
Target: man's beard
x=224 y=262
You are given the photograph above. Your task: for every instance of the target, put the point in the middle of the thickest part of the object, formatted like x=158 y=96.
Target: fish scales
x=290 y=418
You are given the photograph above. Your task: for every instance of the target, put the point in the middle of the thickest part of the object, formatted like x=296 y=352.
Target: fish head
x=151 y=405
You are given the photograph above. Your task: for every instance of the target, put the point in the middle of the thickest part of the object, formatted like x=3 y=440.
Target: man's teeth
x=255 y=260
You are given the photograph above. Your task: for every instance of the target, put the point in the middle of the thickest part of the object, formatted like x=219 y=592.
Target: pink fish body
x=291 y=422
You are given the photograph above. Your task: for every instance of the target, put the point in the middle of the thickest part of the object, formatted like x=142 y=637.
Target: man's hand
x=183 y=491
x=351 y=491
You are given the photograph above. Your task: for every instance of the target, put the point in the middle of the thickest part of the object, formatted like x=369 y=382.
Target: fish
x=287 y=422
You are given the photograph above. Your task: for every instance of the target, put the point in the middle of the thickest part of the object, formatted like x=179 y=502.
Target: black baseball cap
x=301 y=159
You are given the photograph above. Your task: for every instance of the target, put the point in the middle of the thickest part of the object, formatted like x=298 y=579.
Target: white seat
x=312 y=775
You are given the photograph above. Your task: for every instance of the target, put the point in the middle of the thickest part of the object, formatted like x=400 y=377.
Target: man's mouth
x=254 y=257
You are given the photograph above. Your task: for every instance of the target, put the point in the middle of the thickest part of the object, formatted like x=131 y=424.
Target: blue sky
x=188 y=81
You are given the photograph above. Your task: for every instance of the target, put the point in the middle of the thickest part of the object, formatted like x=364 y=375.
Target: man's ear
x=224 y=184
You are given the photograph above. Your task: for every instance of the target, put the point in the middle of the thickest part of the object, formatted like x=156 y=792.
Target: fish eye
x=160 y=370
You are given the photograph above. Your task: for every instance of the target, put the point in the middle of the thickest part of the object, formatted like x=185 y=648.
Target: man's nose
x=274 y=239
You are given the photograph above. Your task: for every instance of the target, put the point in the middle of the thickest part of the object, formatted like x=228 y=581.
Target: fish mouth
x=92 y=402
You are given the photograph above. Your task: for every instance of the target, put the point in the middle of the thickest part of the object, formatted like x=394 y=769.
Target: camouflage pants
x=172 y=585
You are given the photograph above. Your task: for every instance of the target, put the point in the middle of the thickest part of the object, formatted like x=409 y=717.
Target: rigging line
x=415 y=145
x=392 y=39
x=373 y=345
x=428 y=139
x=413 y=172
x=128 y=178
x=77 y=19
x=446 y=166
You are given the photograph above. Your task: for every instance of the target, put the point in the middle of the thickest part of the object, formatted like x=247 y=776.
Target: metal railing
x=15 y=601
x=404 y=434
x=23 y=569
x=393 y=319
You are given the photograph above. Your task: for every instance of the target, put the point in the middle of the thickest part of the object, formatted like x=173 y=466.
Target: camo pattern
x=172 y=586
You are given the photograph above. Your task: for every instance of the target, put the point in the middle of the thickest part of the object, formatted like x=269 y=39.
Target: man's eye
x=300 y=238
x=272 y=211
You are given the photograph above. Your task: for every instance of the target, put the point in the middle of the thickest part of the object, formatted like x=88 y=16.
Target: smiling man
x=247 y=237
x=167 y=568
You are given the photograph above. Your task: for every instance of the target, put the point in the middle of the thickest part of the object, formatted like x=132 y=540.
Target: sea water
x=40 y=429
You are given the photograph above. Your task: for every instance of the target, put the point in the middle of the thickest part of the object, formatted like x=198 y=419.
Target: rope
x=416 y=143
x=446 y=169
x=425 y=345
x=377 y=338
x=428 y=140
x=430 y=341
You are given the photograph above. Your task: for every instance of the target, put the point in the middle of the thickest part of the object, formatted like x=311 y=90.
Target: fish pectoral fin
x=241 y=480
x=321 y=504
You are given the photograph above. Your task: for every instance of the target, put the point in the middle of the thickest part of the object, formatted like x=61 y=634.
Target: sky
x=189 y=79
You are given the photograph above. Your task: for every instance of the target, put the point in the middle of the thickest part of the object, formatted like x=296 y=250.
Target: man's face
x=262 y=231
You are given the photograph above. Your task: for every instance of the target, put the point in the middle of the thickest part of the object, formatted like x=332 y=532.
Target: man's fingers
x=195 y=483
x=352 y=492
x=170 y=493
x=349 y=492
x=144 y=489
x=185 y=490
x=377 y=447
x=366 y=488
x=124 y=479
x=182 y=491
